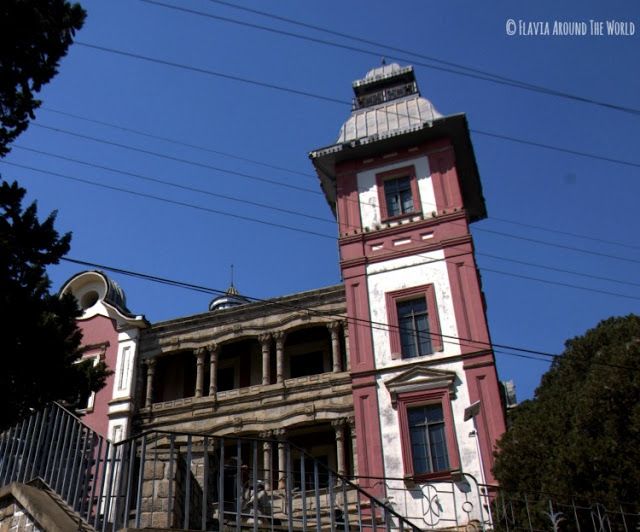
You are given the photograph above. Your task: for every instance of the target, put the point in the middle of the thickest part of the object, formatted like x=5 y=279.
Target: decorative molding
x=419 y=378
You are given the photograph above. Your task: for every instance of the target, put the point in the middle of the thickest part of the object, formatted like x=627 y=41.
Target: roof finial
x=232 y=291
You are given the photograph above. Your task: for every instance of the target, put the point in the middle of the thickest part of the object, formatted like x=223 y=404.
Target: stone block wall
x=14 y=518
x=164 y=493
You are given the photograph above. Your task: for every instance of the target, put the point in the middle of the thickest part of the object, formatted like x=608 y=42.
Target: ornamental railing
x=464 y=503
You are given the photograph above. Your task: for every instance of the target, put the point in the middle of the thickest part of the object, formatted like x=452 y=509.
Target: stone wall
x=164 y=493
x=14 y=518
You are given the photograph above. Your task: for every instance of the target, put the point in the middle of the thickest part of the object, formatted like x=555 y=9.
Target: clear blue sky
x=522 y=183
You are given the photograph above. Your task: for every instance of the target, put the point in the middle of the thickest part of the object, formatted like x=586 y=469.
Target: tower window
x=414 y=328
x=398 y=192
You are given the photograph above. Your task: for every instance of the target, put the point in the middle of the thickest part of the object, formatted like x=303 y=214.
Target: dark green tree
x=34 y=36
x=39 y=355
x=580 y=435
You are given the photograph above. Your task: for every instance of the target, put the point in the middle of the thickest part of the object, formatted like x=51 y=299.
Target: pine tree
x=39 y=354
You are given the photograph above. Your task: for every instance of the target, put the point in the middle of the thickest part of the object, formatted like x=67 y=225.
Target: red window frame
x=393 y=298
x=405 y=171
x=441 y=396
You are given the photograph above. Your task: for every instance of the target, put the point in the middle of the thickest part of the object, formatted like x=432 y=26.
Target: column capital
x=279 y=433
x=200 y=353
x=149 y=362
x=339 y=423
x=334 y=326
x=264 y=338
x=279 y=336
x=213 y=347
x=266 y=435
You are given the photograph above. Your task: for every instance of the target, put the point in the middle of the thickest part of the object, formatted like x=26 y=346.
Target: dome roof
x=231 y=298
x=90 y=287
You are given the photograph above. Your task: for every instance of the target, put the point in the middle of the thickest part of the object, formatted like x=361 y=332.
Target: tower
x=403 y=183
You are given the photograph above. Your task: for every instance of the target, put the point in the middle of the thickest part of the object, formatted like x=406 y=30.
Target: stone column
x=151 y=367
x=265 y=341
x=347 y=355
x=354 y=450
x=214 y=349
x=279 y=336
x=334 y=329
x=266 y=459
x=282 y=459
x=200 y=354
x=338 y=426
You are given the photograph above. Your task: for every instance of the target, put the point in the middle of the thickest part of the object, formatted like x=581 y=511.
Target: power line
x=342 y=102
x=484 y=76
x=170 y=201
x=262 y=163
x=276 y=225
x=176 y=185
x=176 y=141
x=567 y=233
x=559 y=283
x=303 y=189
x=560 y=246
x=297 y=213
x=373 y=324
x=560 y=270
x=555 y=148
x=209 y=72
x=179 y=159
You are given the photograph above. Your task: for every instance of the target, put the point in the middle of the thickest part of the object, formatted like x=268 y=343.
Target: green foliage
x=40 y=339
x=34 y=36
x=580 y=435
x=39 y=354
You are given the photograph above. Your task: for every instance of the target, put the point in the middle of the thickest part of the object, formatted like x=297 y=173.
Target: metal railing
x=464 y=503
x=186 y=480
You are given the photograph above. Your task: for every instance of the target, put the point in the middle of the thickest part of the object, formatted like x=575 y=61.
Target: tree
x=39 y=357
x=34 y=36
x=580 y=434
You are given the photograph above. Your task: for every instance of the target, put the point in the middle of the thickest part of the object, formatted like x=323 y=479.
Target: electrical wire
x=176 y=142
x=484 y=77
x=296 y=213
x=316 y=192
x=176 y=185
x=281 y=226
x=373 y=324
x=170 y=201
x=179 y=159
x=262 y=163
x=344 y=102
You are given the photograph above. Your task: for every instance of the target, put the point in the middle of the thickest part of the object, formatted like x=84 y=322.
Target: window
x=414 y=327
x=398 y=192
x=427 y=434
x=428 y=442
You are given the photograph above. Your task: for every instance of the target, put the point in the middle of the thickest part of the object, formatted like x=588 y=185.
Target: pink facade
x=100 y=341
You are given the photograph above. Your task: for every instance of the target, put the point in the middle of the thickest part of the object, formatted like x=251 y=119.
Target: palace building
x=389 y=378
